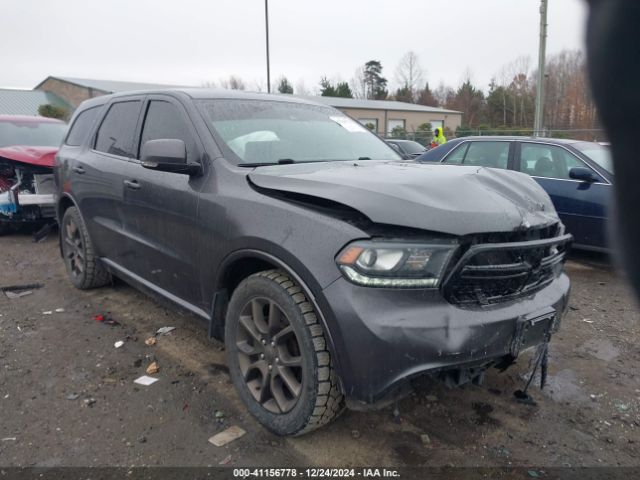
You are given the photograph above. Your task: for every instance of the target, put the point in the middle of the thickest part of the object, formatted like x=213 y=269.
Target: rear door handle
x=78 y=170
x=132 y=184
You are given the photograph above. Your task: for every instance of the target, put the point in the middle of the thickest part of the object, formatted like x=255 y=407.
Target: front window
x=269 y=132
x=548 y=161
x=32 y=134
x=598 y=153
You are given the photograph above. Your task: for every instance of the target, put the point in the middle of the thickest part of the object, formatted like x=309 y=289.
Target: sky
x=191 y=42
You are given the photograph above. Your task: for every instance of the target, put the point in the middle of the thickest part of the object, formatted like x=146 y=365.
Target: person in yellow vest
x=438 y=138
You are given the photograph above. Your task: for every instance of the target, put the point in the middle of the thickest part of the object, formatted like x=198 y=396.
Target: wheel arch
x=242 y=263
x=65 y=202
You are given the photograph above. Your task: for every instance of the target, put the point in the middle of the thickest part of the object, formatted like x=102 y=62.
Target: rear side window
x=456 y=157
x=116 y=134
x=164 y=120
x=81 y=126
x=487 y=154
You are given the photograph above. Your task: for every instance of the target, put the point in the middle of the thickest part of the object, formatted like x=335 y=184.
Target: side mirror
x=583 y=174
x=168 y=155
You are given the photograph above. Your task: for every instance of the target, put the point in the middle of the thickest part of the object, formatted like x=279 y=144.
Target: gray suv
x=334 y=271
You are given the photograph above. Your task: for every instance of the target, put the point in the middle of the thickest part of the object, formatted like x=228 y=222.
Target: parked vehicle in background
x=408 y=148
x=577 y=175
x=28 y=146
x=334 y=270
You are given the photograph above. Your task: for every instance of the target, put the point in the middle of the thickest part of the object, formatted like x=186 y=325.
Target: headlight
x=400 y=265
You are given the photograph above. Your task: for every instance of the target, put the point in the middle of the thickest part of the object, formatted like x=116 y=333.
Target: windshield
x=413 y=147
x=32 y=134
x=598 y=153
x=268 y=132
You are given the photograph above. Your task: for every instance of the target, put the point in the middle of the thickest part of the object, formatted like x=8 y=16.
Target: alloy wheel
x=269 y=355
x=74 y=248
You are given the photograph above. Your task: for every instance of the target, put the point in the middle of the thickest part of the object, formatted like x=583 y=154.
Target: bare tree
x=301 y=88
x=259 y=85
x=445 y=95
x=234 y=82
x=409 y=74
x=359 y=84
x=568 y=102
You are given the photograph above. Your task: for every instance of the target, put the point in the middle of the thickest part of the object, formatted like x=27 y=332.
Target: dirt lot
x=590 y=415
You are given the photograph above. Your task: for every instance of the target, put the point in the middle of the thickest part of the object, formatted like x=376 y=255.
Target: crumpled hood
x=39 y=156
x=450 y=199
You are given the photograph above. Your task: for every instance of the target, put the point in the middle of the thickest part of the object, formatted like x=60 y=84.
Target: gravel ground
x=67 y=396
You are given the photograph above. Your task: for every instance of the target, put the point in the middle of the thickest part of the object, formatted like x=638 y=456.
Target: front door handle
x=132 y=184
x=78 y=170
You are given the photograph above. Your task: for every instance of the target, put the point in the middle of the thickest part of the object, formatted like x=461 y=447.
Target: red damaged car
x=28 y=145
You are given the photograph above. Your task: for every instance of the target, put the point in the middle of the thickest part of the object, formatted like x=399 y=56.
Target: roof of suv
x=206 y=93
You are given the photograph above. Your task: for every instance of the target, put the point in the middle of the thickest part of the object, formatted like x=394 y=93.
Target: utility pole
x=539 y=118
x=266 y=22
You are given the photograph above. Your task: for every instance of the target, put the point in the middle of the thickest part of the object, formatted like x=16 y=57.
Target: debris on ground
x=165 y=330
x=622 y=407
x=153 y=368
x=425 y=439
x=106 y=319
x=533 y=474
x=142 y=439
x=59 y=310
x=17 y=294
x=19 y=288
x=47 y=312
x=44 y=232
x=89 y=402
x=145 y=380
x=227 y=436
x=586 y=320
x=150 y=341
x=73 y=396
x=9 y=439
x=225 y=461
x=118 y=344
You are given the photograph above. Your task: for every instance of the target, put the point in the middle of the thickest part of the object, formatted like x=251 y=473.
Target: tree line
x=507 y=105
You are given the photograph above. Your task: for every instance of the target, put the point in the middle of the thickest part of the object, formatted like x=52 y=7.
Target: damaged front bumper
x=26 y=194
x=391 y=336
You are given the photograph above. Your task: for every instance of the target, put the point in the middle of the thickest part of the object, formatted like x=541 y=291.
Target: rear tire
x=278 y=356
x=83 y=266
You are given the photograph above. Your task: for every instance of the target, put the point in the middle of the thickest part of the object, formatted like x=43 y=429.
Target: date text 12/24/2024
x=315 y=473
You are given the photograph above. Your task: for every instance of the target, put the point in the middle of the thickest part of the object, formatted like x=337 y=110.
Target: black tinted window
x=163 y=120
x=116 y=133
x=81 y=126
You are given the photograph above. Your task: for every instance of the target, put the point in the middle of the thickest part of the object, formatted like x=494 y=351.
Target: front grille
x=490 y=273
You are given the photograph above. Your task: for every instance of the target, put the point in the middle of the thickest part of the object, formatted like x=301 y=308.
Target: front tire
x=83 y=266
x=278 y=357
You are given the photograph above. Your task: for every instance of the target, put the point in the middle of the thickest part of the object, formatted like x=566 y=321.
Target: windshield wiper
x=282 y=161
